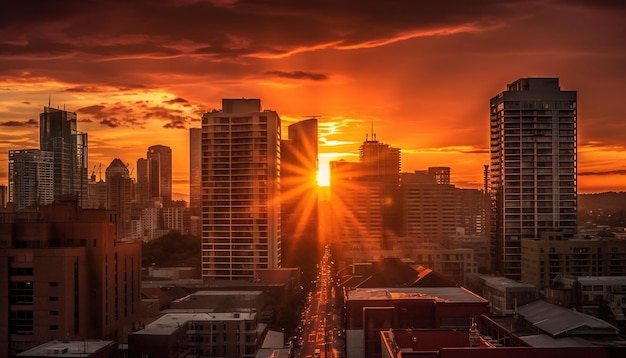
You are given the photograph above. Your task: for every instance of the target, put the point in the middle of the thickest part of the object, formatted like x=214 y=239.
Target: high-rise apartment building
x=241 y=229
x=58 y=135
x=533 y=176
x=160 y=173
x=31 y=177
x=65 y=276
x=195 y=171
x=298 y=184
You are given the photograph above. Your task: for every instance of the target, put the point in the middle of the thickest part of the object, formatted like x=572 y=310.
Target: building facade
x=552 y=255
x=533 y=172
x=58 y=135
x=160 y=174
x=65 y=276
x=31 y=178
x=241 y=228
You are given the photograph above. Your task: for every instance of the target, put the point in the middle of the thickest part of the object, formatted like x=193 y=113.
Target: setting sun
x=323 y=175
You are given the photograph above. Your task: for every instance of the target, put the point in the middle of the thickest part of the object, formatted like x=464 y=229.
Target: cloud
x=176 y=124
x=246 y=28
x=28 y=123
x=299 y=75
x=176 y=100
x=608 y=172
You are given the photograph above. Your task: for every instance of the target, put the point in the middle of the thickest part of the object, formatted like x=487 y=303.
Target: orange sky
x=141 y=74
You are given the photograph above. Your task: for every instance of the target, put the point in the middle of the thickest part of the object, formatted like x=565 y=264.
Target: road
x=321 y=320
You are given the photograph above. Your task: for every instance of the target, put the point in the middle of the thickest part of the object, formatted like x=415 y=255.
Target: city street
x=321 y=321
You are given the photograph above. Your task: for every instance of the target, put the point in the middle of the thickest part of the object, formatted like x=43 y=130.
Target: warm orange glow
x=323 y=175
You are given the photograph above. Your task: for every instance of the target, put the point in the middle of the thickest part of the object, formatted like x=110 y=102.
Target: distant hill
x=609 y=201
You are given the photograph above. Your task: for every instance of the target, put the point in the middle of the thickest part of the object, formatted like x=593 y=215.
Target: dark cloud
x=299 y=75
x=93 y=110
x=176 y=100
x=608 y=172
x=28 y=123
x=111 y=122
x=176 y=124
x=127 y=30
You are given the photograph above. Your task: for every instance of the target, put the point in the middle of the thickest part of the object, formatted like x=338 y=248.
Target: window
x=54 y=327
x=54 y=313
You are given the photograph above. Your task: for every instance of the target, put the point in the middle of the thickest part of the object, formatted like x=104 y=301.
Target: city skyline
x=421 y=74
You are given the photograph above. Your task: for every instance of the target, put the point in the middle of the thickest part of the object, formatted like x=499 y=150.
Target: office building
x=533 y=176
x=65 y=276
x=241 y=228
x=298 y=184
x=356 y=208
x=31 y=177
x=119 y=195
x=58 y=135
x=431 y=212
x=160 y=174
x=381 y=167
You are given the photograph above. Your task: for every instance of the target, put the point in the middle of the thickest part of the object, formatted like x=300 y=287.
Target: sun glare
x=323 y=175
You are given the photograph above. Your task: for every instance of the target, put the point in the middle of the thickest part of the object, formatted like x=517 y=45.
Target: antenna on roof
x=48 y=101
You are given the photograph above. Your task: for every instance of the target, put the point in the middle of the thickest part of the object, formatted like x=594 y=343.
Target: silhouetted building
x=143 y=186
x=31 y=177
x=241 y=228
x=4 y=196
x=299 y=196
x=65 y=276
x=381 y=167
x=119 y=195
x=356 y=207
x=58 y=134
x=160 y=174
x=533 y=134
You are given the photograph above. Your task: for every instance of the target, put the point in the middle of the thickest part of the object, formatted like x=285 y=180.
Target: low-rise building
x=504 y=295
x=368 y=311
x=551 y=255
x=233 y=334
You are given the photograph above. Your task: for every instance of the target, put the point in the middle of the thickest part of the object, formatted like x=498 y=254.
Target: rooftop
x=439 y=294
x=67 y=349
x=170 y=322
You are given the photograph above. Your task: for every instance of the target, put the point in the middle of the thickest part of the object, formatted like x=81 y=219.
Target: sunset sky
x=140 y=73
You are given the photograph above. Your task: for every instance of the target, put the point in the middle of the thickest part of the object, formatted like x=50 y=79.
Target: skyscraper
x=195 y=171
x=241 y=229
x=381 y=167
x=31 y=177
x=160 y=173
x=298 y=185
x=143 y=186
x=58 y=135
x=533 y=140
x=119 y=195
